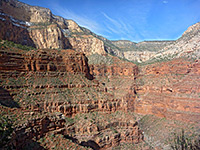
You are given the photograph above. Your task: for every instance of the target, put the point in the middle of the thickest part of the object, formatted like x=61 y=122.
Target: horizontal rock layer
x=170 y=89
x=44 y=60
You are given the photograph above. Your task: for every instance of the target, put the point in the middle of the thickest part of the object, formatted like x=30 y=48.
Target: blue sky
x=134 y=20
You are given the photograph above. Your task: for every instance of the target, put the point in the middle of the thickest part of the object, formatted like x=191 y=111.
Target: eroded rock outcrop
x=87 y=44
x=99 y=132
x=85 y=131
x=53 y=81
x=49 y=37
x=35 y=129
x=142 y=51
x=44 y=61
x=116 y=67
x=187 y=46
x=38 y=27
x=13 y=32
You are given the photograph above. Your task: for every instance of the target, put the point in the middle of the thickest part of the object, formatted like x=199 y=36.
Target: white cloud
x=165 y=2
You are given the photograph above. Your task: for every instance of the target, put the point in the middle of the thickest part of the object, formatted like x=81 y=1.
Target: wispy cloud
x=80 y=19
x=165 y=2
x=113 y=21
x=113 y=25
x=122 y=28
x=132 y=26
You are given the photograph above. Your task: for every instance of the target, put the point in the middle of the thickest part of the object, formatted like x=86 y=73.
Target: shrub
x=11 y=44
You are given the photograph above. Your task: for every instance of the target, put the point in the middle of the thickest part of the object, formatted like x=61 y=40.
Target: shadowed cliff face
x=6 y=99
x=14 y=33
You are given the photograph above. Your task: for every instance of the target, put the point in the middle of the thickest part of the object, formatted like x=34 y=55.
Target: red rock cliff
x=45 y=60
x=170 y=89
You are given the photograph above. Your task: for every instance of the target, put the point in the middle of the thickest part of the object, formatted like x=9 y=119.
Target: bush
x=11 y=44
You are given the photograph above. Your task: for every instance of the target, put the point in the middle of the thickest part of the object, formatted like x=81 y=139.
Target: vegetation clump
x=10 y=44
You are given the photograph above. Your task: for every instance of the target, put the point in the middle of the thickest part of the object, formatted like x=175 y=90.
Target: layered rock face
x=13 y=32
x=87 y=44
x=38 y=27
x=44 y=61
x=83 y=131
x=127 y=69
x=116 y=68
x=59 y=81
x=187 y=46
x=35 y=129
x=53 y=60
x=90 y=103
x=142 y=51
x=170 y=90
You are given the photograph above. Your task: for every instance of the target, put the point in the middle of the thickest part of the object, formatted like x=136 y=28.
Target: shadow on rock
x=91 y=144
x=6 y=99
x=33 y=145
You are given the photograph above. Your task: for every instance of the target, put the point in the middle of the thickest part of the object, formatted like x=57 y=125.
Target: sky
x=134 y=20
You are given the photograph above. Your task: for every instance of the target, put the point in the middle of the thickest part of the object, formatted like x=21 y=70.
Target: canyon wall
x=94 y=94
x=53 y=72
x=43 y=30
x=151 y=46
x=82 y=132
x=142 y=51
x=35 y=129
x=59 y=81
x=187 y=46
x=116 y=68
x=43 y=61
x=170 y=90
